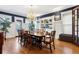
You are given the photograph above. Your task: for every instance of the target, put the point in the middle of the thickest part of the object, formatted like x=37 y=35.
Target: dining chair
x=20 y=36
x=49 y=39
x=25 y=38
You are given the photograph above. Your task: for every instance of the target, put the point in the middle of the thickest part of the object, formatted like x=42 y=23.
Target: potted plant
x=5 y=25
x=31 y=26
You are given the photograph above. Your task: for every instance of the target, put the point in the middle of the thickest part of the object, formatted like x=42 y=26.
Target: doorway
x=18 y=26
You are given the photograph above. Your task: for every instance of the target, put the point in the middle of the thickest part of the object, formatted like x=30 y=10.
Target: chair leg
x=54 y=45
x=40 y=45
x=25 y=43
x=50 y=48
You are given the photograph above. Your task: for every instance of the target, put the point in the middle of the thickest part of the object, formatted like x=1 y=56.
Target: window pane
x=67 y=29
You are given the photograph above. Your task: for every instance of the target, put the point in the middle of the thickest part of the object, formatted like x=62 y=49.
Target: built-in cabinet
x=75 y=25
x=46 y=23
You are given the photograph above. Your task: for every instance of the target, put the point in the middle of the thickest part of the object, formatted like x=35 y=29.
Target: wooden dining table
x=38 y=37
x=38 y=34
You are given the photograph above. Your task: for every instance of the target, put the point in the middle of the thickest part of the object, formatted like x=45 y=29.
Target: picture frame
x=57 y=17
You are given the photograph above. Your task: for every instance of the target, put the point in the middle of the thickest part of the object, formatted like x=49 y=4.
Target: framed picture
x=46 y=21
x=50 y=20
x=57 y=17
x=41 y=21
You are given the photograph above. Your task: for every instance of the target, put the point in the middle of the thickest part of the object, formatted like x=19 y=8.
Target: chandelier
x=31 y=14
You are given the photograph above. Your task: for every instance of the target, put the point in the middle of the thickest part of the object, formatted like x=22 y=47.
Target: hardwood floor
x=11 y=46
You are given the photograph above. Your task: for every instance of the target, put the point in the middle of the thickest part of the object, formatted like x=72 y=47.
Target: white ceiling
x=38 y=9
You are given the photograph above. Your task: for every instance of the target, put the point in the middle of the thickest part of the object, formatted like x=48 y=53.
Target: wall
x=58 y=28
x=12 y=30
x=62 y=26
x=56 y=25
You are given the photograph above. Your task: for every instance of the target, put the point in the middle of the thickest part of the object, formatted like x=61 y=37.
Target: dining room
x=39 y=29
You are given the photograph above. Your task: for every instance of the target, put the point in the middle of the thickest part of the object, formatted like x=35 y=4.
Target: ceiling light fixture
x=31 y=14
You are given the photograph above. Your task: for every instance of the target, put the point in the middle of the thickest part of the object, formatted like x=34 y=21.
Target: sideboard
x=1 y=41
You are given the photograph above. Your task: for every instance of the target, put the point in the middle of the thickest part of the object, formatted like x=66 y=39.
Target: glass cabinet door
x=75 y=21
x=78 y=25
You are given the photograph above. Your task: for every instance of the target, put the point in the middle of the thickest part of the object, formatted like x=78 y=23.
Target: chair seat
x=47 y=36
x=47 y=41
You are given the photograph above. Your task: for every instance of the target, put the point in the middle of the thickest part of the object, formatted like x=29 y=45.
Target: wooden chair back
x=53 y=35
